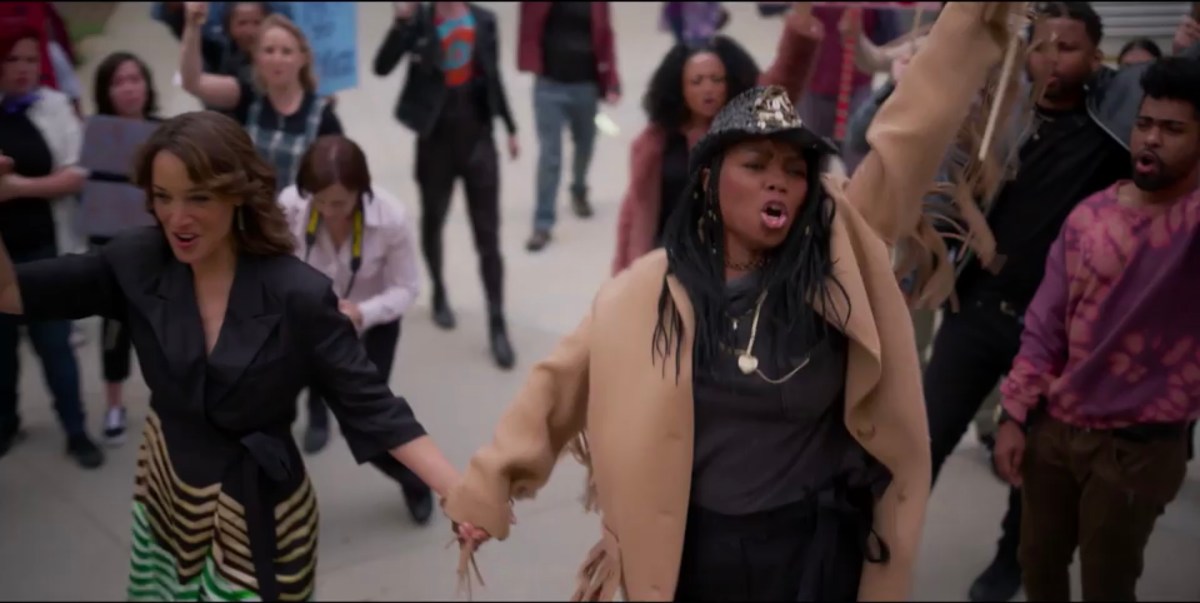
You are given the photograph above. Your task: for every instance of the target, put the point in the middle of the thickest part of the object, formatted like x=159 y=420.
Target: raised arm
x=401 y=37
x=912 y=130
x=1044 y=344
x=221 y=91
x=67 y=287
x=549 y=411
x=796 y=54
x=373 y=420
x=860 y=120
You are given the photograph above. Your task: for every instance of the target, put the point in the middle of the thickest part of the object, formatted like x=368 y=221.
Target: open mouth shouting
x=774 y=215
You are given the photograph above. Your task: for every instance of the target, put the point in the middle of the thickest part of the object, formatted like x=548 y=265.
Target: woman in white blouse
x=359 y=237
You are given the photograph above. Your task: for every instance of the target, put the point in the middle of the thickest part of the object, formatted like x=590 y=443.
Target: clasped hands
x=472 y=537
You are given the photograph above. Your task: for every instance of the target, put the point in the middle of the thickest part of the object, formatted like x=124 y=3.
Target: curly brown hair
x=221 y=159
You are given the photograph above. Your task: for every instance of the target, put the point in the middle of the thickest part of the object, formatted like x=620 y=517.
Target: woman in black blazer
x=229 y=327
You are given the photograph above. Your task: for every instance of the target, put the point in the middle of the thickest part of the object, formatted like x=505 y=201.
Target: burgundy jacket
x=529 y=49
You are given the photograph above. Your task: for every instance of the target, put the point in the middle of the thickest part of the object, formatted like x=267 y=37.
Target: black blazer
x=282 y=332
x=424 y=90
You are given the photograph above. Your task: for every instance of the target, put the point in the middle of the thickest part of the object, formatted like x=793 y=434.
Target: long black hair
x=104 y=79
x=1150 y=46
x=664 y=103
x=797 y=274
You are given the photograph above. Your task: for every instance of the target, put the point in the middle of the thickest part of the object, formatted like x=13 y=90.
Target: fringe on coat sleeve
x=971 y=189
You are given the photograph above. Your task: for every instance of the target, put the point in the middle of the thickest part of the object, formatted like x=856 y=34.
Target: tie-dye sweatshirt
x=1112 y=338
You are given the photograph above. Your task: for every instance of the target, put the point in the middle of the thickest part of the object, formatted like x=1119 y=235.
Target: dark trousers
x=973 y=349
x=1100 y=491
x=771 y=555
x=52 y=341
x=116 y=353
x=380 y=343
x=461 y=146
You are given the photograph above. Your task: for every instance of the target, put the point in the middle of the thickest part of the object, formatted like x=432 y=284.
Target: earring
x=241 y=220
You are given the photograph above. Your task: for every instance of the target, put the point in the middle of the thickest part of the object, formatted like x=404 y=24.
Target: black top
x=425 y=92
x=761 y=446
x=674 y=179
x=26 y=224
x=270 y=119
x=282 y=333
x=567 y=53
x=1066 y=160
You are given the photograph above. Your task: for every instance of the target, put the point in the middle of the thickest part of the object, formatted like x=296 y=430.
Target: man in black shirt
x=1076 y=145
x=568 y=46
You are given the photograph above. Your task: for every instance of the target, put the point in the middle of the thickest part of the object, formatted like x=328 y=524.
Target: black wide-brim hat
x=763 y=111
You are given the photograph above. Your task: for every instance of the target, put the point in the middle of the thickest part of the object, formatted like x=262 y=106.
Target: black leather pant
x=461 y=146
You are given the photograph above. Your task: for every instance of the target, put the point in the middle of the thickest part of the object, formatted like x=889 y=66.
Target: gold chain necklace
x=748 y=362
x=754 y=264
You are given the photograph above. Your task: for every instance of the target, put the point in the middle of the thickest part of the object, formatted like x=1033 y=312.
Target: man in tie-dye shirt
x=1099 y=399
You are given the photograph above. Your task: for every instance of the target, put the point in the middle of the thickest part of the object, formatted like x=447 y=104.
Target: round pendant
x=747 y=363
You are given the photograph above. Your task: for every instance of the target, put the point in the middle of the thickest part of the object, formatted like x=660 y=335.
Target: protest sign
x=110 y=203
x=331 y=28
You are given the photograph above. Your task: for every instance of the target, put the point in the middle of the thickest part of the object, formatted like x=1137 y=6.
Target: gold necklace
x=748 y=362
x=754 y=264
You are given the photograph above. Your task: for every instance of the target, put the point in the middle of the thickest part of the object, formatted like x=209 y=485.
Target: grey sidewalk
x=64 y=531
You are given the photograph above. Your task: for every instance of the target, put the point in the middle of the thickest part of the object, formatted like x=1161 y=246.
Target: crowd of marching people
x=836 y=258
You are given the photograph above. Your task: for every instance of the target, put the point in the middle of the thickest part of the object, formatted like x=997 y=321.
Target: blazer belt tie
x=844 y=517
x=263 y=455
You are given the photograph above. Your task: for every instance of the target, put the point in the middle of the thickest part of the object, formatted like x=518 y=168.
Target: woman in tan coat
x=688 y=88
x=748 y=399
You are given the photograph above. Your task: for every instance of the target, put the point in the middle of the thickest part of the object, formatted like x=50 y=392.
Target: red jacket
x=529 y=48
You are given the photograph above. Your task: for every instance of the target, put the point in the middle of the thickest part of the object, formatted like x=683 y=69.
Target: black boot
x=81 y=448
x=315 y=438
x=420 y=504
x=443 y=316
x=581 y=204
x=502 y=350
x=1000 y=581
x=10 y=435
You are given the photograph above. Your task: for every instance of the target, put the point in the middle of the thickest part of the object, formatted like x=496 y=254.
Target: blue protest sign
x=331 y=28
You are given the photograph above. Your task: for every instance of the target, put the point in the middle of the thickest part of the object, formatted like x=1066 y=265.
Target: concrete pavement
x=64 y=532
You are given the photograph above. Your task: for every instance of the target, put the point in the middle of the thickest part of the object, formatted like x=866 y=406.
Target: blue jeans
x=52 y=342
x=556 y=105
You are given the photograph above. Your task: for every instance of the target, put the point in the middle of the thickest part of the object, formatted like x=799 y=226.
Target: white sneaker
x=114 y=426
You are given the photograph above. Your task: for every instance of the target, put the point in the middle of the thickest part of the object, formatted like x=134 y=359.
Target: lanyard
x=356 y=245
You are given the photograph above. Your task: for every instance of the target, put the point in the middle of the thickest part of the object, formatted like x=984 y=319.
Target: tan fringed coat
x=638 y=418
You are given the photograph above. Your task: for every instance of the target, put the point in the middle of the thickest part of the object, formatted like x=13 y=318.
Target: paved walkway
x=64 y=531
